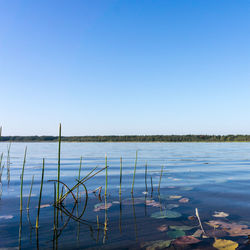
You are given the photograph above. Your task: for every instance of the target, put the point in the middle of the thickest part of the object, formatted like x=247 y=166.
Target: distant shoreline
x=131 y=138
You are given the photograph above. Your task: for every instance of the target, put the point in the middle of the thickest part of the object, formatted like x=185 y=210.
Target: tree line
x=131 y=138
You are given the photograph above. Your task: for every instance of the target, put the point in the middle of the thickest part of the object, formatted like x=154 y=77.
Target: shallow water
x=213 y=176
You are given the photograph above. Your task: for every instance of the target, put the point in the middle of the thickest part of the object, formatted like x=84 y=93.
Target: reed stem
x=151 y=184
x=120 y=191
x=160 y=179
x=40 y=197
x=106 y=183
x=59 y=161
x=31 y=185
x=132 y=189
x=79 y=177
x=21 y=191
x=146 y=173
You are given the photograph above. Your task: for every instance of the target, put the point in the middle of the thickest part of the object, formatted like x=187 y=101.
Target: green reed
x=132 y=189
x=106 y=182
x=160 y=179
x=40 y=197
x=79 y=176
x=54 y=206
x=146 y=173
x=31 y=185
x=152 y=189
x=120 y=191
x=8 y=163
x=21 y=191
x=59 y=161
x=1 y=167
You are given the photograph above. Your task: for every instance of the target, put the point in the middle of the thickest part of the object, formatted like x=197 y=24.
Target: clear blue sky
x=125 y=67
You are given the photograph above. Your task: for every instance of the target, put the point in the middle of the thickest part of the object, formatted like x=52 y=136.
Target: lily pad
x=183 y=228
x=175 y=234
x=153 y=245
x=102 y=206
x=233 y=229
x=220 y=214
x=45 y=205
x=165 y=214
x=153 y=203
x=184 y=200
x=171 y=206
x=225 y=244
x=197 y=233
x=186 y=240
x=173 y=197
x=162 y=228
x=6 y=217
x=187 y=188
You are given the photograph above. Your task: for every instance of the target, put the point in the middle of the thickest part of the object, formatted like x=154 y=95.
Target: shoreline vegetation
x=130 y=138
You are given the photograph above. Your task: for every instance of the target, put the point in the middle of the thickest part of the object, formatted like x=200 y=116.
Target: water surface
x=212 y=176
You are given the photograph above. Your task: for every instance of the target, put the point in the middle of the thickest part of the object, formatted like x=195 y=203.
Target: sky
x=124 y=67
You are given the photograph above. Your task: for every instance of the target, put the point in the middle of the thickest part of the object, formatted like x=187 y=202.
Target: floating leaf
x=175 y=234
x=197 y=233
x=225 y=244
x=233 y=229
x=165 y=214
x=171 y=206
x=6 y=217
x=45 y=205
x=153 y=245
x=184 y=200
x=220 y=214
x=102 y=206
x=183 y=228
x=187 y=188
x=173 y=197
x=216 y=233
x=162 y=228
x=186 y=240
x=153 y=203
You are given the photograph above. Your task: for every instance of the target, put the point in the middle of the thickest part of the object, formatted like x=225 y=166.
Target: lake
x=202 y=200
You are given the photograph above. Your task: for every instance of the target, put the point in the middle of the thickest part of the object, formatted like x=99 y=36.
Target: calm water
x=213 y=177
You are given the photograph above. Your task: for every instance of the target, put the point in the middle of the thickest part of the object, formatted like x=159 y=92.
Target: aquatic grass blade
x=40 y=197
x=31 y=185
x=132 y=189
x=21 y=191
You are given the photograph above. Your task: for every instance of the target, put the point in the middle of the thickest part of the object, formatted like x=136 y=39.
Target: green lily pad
x=175 y=234
x=187 y=188
x=165 y=214
x=158 y=244
x=183 y=228
x=171 y=206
